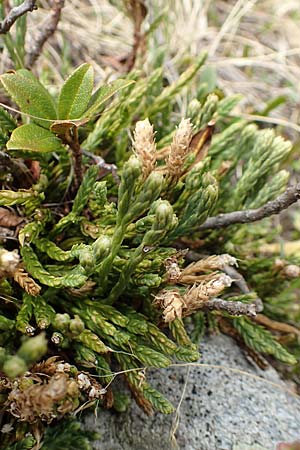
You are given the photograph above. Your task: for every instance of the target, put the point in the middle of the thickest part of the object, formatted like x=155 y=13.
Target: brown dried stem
x=140 y=399
x=282 y=202
x=45 y=33
x=277 y=326
x=15 y=13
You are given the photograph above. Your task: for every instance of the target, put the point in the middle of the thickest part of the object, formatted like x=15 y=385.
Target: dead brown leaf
x=9 y=219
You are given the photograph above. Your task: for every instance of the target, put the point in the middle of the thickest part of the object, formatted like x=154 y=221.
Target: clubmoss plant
x=96 y=275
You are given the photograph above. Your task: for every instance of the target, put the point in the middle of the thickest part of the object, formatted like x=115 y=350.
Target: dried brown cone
x=172 y=304
x=196 y=278
x=47 y=367
x=179 y=149
x=144 y=146
x=214 y=262
x=50 y=390
x=26 y=282
x=36 y=398
x=196 y=297
x=173 y=271
x=141 y=400
x=172 y=266
x=83 y=290
x=291 y=271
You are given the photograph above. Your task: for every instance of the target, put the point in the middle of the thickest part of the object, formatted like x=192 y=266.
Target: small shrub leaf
x=31 y=96
x=33 y=138
x=103 y=94
x=76 y=93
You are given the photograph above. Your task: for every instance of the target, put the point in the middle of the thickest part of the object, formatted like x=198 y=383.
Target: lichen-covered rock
x=222 y=409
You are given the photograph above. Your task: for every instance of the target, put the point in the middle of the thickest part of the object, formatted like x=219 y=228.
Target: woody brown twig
x=106 y=167
x=45 y=33
x=282 y=202
x=233 y=308
x=277 y=326
x=138 y=11
x=15 y=13
x=240 y=281
x=71 y=138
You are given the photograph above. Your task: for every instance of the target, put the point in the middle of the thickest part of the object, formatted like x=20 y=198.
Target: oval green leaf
x=33 y=138
x=76 y=93
x=103 y=94
x=31 y=96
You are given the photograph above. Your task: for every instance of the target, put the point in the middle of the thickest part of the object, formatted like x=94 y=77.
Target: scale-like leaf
x=33 y=138
x=7 y=122
x=3 y=139
x=76 y=93
x=31 y=96
x=103 y=94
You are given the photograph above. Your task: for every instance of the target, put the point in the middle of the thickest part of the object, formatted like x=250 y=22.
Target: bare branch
x=15 y=13
x=283 y=201
x=100 y=162
x=232 y=307
x=45 y=33
x=240 y=281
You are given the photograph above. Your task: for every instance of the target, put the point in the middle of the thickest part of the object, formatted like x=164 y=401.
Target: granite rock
x=221 y=409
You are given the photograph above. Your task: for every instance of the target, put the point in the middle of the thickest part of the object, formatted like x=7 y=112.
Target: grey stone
x=221 y=409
